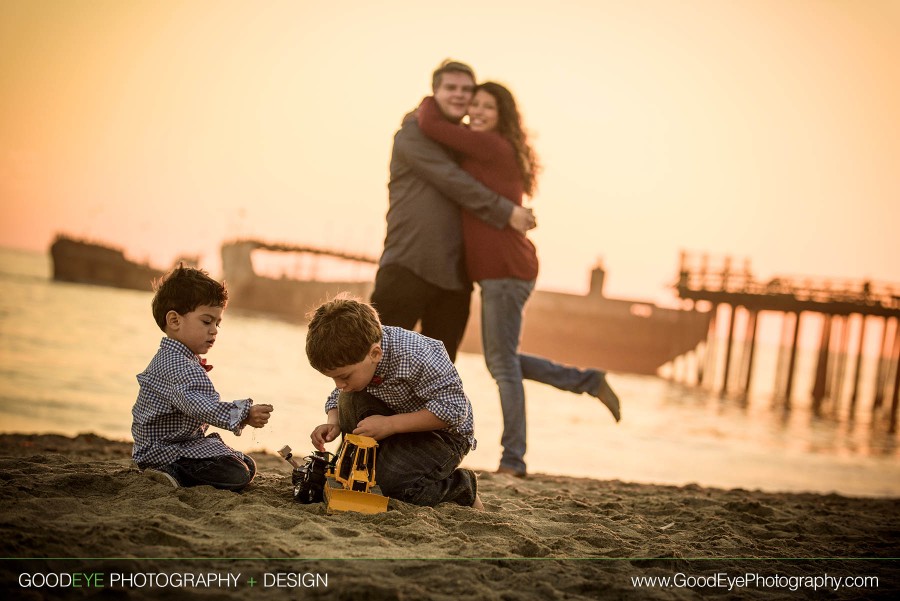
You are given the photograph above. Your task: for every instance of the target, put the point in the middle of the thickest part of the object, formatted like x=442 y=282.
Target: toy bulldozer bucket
x=354 y=477
x=341 y=499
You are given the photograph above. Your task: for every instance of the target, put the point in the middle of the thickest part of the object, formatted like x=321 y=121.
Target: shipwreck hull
x=284 y=297
x=88 y=263
x=610 y=334
x=587 y=331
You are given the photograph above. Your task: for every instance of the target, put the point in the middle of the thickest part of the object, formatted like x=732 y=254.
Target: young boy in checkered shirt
x=177 y=401
x=401 y=389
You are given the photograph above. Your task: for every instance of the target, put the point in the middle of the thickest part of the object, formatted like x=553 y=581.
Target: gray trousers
x=421 y=468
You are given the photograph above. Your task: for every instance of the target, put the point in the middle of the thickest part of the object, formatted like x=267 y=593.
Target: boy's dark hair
x=341 y=332
x=184 y=289
x=449 y=66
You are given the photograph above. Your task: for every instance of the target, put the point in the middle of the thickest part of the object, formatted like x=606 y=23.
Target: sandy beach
x=79 y=506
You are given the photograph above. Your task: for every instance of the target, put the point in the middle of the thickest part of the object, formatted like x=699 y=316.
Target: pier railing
x=785 y=293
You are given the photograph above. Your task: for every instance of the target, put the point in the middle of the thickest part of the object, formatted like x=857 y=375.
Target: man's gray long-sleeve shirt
x=427 y=189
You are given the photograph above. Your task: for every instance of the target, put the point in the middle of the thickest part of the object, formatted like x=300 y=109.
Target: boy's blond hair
x=341 y=332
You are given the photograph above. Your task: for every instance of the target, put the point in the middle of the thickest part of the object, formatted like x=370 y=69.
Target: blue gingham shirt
x=175 y=405
x=416 y=373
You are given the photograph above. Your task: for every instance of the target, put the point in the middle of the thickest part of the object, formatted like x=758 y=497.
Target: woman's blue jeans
x=502 y=303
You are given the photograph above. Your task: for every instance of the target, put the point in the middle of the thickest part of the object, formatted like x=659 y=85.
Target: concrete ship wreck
x=622 y=335
x=86 y=262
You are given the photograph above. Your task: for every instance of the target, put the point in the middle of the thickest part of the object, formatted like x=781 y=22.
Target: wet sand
x=78 y=505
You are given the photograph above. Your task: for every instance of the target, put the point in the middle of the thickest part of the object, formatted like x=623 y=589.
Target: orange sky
x=759 y=128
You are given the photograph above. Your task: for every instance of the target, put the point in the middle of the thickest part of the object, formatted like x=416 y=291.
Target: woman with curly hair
x=495 y=150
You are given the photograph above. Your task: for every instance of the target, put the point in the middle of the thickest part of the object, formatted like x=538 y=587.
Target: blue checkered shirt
x=416 y=374
x=175 y=405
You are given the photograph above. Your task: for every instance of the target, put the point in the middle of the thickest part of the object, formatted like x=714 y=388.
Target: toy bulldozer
x=346 y=482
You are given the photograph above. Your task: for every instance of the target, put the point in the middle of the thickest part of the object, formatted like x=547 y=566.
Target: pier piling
x=859 y=355
x=728 y=349
x=821 y=378
x=749 y=351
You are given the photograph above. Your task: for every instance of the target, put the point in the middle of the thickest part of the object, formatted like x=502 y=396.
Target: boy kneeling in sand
x=401 y=389
x=177 y=401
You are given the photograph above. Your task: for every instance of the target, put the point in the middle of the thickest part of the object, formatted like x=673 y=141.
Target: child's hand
x=376 y=426
x=324 y=433
x=258 y=415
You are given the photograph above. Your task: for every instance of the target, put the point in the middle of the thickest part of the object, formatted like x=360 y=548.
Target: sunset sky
x=763 y=129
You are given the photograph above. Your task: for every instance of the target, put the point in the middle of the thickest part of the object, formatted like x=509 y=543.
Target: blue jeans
x=421 y=468
x=502 y=303
x=225 y=471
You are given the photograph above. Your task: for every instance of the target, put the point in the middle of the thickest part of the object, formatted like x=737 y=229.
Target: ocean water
x=69 y=354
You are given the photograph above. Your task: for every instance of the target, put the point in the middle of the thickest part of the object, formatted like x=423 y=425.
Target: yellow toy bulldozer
x=352 y=478
x=345 y=483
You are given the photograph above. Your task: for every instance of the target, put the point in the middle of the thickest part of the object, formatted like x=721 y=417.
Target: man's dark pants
x=402 y=299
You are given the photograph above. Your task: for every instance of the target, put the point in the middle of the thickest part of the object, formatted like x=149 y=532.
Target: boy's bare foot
x=477 y=504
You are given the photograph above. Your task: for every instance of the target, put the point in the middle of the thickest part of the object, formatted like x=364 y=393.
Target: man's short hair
x=184 y=289
x=449 y=66
x=341 y=332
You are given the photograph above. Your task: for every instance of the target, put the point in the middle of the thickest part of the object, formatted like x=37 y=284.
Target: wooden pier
x=833 y=302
